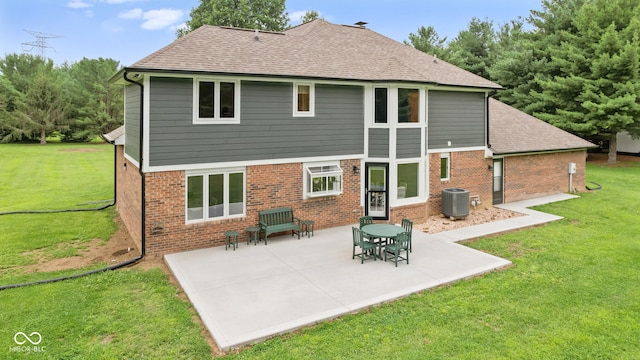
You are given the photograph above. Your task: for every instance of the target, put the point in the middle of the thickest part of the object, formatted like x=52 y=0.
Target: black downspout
x=142 y=179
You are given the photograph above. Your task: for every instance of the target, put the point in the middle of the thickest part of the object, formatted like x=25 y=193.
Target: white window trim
x=216 y=101
x=205 y=194
x=422 y=109
x=373 y=107
x=306 y=177
x=312 y=100
x=447 y=156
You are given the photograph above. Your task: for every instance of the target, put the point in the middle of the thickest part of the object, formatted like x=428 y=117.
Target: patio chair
x=407 y=225
x=367 y=220
x=367 y=249
x=396 y=248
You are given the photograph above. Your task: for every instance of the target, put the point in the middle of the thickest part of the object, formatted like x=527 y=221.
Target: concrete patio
x=258 y=291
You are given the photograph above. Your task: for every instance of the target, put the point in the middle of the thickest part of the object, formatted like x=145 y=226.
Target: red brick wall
x=530 y=176
x=128 y=194
x=268 y=186
x=469 y=171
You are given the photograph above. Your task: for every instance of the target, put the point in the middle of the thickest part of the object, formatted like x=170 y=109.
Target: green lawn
x=572 y=293
x=51 y=177
x=124 y=314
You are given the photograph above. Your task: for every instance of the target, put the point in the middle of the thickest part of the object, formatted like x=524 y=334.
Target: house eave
x=116 y=78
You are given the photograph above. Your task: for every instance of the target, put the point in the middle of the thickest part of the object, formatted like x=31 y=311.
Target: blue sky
x=128 y=30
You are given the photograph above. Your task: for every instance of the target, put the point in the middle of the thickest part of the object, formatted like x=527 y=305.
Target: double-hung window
x=215 y=195
x=322 y=180
x=216 y=101
x=304 y=99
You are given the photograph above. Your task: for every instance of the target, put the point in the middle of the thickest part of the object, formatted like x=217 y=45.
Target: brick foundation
x=530 y=176
x=469 y=171
x=268 y=186
x=128 y=195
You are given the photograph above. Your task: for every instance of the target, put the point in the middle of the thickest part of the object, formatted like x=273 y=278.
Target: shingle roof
x=513 y=131
x=317 y=49
x=116 y=136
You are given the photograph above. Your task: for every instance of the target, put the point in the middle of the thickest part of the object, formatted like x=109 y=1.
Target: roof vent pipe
x=257 y=36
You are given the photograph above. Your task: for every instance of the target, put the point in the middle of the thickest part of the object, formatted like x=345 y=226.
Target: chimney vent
x=361 y=24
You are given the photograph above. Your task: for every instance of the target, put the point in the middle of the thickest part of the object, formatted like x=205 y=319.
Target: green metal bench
x=278 y=220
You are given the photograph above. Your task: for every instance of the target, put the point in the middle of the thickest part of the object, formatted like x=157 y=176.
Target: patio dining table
x=386 y=231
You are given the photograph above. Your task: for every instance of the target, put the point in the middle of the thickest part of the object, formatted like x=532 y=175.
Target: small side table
x=305 y=226
x=232 y=239
x=253 y=234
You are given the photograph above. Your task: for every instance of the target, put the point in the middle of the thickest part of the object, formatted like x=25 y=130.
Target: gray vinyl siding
x=458 y=117
x=408 y=143
x=132 y=121
x=267 y=128
x=378 y=143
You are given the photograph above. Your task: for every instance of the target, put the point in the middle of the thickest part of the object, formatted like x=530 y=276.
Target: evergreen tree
x=474 y=49
x=427 y=40
x=594 y=87
x=43 y=107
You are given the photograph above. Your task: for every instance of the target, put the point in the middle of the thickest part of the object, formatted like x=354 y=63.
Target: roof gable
x=317 y=49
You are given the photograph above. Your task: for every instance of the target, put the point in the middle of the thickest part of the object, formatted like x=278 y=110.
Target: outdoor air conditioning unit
x=455 y=203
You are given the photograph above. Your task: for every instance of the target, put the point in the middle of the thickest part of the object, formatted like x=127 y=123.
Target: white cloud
x=77 y=4
x=160 y=19
x=89 y=13
x=131 y=14
x=296 y=16
x=117 y=1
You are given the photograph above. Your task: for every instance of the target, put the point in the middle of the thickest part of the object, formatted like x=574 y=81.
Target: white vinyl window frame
x=446 y=157
x=217 y=108
x=225 y=209
x=297 y=87
x=322 y=179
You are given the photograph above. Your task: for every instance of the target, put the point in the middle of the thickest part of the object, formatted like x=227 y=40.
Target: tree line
x=74 y=102
x=574 y=64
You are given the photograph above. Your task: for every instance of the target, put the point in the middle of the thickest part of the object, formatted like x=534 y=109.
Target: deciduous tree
x=250 y=14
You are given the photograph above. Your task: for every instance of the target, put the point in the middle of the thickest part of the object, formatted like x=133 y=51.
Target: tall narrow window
x=445 y=166
x=408 y=105
x=227 y=100
x=195 y=198
x=380 y=111
x=206 y=102
x=303 y=99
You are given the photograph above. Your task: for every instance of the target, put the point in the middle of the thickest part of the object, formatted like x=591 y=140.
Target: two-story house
x=334 y=121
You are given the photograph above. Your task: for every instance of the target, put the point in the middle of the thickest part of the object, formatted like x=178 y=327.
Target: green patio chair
x=367 y=220
x=367 y=248
x=407 y=225
x=396 y=248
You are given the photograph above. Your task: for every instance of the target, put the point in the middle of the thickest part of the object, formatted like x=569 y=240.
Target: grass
x=124 y=314
x=572 y=293
x=52 y=177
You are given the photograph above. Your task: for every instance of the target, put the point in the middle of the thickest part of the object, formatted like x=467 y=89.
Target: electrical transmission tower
x=40 y=42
